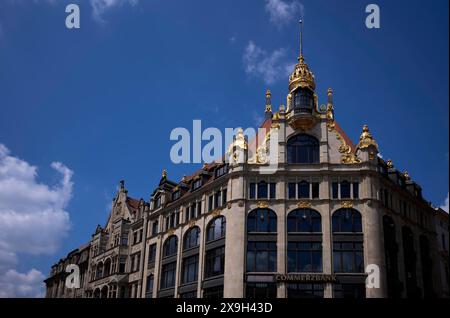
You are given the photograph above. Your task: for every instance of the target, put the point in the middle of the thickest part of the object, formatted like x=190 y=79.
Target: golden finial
x=268 y=101
x=407 y=176
x=330 y=96
x=164 y=173
x=366 y=139
x=184 y=178
x=390 y=164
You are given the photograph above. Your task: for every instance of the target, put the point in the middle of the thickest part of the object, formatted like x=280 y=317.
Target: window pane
x=291 y=191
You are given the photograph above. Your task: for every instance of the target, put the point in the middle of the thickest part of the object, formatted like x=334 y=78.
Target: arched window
x=347 y=220
x=107 y=267
x=170 y=246
x=99 y=273
x=348 y=250
x=216 y=229
x=302 y=148
x=304 y=220
x=303 y=100
x=192 y=238
x=262 y=220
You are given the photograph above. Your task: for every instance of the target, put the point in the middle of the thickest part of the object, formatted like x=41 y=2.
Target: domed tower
x=302 y=112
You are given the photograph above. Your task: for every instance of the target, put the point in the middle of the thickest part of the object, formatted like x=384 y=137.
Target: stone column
x=235 y=243
x=280 y=210
x=374 y=246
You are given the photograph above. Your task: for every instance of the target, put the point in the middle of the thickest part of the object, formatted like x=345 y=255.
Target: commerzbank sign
x=306 y=278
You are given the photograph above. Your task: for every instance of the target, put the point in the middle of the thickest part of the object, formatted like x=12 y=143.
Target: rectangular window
x=252 y=194
x=261 y=290
x=218 y=199
x=210 y=202
x=304 y=257
x=299 y=290
x=355 y=190
x=261 y=256
x=199 y=208
x=348 y=257
x=135 y=262
x=152 y=253
x=176 y=195
x=122 y=263
x=215 y=262
x=272 y=190
x=221 y=171
x=187 y=213
x=345 y=190
x=315 y=190
x=149 y=287
x=193 y=212
x=213 y=292
x=190 y=269
x=124 y=239
x=262 y=190
x=353 y=291
x=155 y=228
x=303 y=190
x=197 y=184
x=292 y=190
x=224 y=196
x=192 y=294
x=335 y=189
x=168 y=275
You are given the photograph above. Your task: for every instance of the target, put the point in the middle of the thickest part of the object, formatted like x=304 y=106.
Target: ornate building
x=331 y=211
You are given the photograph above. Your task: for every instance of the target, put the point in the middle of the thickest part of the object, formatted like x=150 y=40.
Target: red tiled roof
x=133 y=203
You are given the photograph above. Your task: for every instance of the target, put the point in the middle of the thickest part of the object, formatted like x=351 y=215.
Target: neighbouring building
x=331 y=210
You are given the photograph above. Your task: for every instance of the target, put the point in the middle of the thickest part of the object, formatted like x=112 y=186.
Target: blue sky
x=102 y=100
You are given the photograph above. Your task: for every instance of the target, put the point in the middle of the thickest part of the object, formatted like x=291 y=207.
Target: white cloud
x=13 y=283
x=99 y=7
x=268 y=66
x=445 y=206
x=282 y=13
x=33 y=219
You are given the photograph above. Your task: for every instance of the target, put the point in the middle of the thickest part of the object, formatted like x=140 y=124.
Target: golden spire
x=164 y=173
x=301 y=40
x=302 y=76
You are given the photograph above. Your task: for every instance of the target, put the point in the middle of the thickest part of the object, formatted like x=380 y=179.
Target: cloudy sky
x=83 y=109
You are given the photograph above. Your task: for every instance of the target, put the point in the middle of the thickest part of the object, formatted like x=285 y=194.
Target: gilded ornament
x=390 y=164
x=366 y=139
x=407 y=176
x=262 y=204
x=348 y=157
x=304 y=205
x=346 y=204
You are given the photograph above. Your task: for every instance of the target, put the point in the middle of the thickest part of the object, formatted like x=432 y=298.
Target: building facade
x=332 y=220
